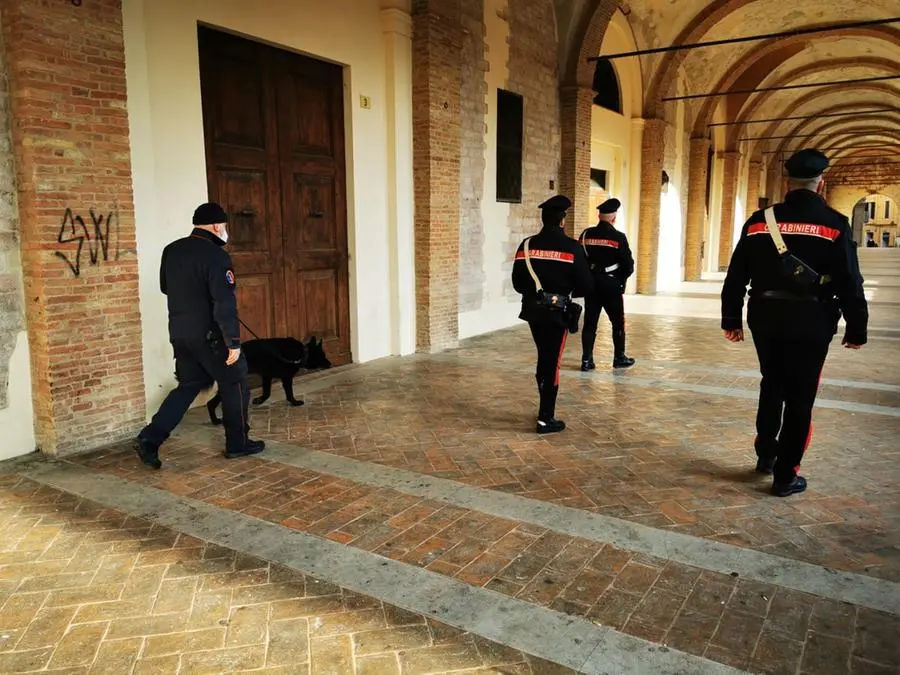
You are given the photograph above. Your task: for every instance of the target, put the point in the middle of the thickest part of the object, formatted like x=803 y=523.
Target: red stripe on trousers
x=562 y=348
x=810 y=432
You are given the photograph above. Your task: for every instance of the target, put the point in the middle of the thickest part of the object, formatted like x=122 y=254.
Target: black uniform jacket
x=197 y=277
x=608 y=252
x=819 y=236
x=559 y=263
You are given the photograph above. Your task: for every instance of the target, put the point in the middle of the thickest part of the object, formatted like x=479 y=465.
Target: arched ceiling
x=847 y=54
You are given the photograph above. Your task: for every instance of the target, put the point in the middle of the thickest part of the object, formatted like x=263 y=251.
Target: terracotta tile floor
x=85 y=589
x=704 y=613
x=650 y=454
x=649 y=447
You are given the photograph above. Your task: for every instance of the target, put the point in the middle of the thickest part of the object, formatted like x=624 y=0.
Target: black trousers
x=550 y=340
x=608 y=296
x=196 y=368
x=791 y=370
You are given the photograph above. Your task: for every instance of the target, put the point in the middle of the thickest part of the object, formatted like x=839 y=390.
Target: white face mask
x=224 y=236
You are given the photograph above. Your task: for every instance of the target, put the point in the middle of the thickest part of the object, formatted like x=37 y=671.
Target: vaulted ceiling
x=830 y=114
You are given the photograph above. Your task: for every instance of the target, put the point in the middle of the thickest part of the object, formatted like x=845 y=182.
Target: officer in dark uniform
x=197 y=277
x=559 y=264
x=611 y=264
x=801 y=280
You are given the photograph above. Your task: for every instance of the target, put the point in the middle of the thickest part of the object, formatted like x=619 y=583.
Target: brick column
x=754 y=176
x=71 y=149
x=437 y=50
x=576 y=104
x=653 y=146
x=731 y=171
x=696 y=209
x=774 y=180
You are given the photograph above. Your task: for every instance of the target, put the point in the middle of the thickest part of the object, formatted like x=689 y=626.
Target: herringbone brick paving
x=669 y=458
x=85 y=589
x=661 y=457
x=687 y=608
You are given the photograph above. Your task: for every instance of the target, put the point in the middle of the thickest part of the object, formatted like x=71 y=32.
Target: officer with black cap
x=549 y=270
x=800 y=262
x=197 y=278
x=611 y=264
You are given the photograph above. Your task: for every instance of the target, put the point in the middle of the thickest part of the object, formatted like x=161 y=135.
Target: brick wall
x=754 y=175
x=473 y=105
x=67 y=81
x=11 y=314
x=652 y=157
x=437 y=50
x=533 y=73
x=730 y=176
x=695 y=222
x=576 y=106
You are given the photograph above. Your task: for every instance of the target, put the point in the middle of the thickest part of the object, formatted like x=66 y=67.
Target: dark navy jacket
x=820 y=237
x=608 y=252
x=197 y=277
x=559 y=263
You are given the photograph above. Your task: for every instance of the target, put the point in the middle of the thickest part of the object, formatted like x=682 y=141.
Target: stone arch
x=870 y=104
x=587 y=39
x=839 y=126
x=809 y=69
x=763 y=59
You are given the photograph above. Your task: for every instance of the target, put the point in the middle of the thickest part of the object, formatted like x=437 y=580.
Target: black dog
x=277 y=358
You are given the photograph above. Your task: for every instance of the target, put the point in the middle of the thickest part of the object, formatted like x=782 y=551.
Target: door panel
x=256 y=299
x=310 y=105
x=274 y=127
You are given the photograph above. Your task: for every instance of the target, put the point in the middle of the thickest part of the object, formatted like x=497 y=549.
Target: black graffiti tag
x=73 y=228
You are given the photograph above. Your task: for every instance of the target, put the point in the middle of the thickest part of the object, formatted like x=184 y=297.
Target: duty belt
x=787 y=295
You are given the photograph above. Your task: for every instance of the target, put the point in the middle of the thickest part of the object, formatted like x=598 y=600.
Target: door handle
x=316 y=214
x=246 y=213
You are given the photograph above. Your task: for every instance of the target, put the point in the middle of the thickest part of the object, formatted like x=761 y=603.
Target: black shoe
x=795 y=487
x=587 y=364
x=552 y=426
x=765 y=465
x=623 y=361
x=250 y=448
x=148 y=453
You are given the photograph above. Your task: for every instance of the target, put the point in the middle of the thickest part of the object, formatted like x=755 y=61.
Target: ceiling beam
x=783 y=87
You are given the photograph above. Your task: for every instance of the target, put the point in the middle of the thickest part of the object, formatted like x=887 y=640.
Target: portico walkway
x=415 y=492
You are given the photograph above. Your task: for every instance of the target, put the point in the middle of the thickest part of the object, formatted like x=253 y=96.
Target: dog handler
x=197 y=278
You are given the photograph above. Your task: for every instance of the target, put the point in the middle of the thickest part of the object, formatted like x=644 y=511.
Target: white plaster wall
x=17 y=419
x=168 y=148
x=496 y=311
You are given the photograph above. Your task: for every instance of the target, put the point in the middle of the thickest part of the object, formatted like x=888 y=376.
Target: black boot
x=766 y=454
x=547 y=422
x=245 y=449
x=620 y=360
x=587 y=364
x=794 y=487
x=148 y=453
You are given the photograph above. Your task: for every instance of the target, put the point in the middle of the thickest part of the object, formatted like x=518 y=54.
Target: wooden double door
x=274 y=132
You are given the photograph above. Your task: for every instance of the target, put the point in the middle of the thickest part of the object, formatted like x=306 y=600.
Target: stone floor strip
x=713 y=556
x=541 y=632
x=754 y=374
x=655 y=383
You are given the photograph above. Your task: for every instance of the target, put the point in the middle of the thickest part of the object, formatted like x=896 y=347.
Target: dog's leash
x=240 y=321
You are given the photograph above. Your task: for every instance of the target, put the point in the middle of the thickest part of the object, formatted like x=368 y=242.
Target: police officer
x=801 y=280
x=558 y=263
x=197 y=277
x=612 y=264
